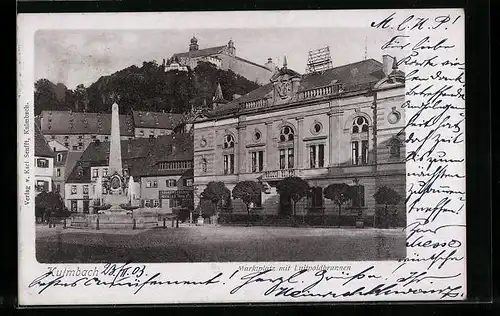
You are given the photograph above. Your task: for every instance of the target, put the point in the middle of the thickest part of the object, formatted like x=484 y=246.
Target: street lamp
x=359 y=221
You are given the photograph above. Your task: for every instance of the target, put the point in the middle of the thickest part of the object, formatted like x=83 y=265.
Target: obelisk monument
x=116 y=183
x=115 y=150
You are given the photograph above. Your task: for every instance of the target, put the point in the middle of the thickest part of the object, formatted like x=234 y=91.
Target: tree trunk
x=340 y=213
x=248 y=212
x=386 y=219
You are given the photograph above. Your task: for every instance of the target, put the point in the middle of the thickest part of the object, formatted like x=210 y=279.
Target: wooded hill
x=146 y=88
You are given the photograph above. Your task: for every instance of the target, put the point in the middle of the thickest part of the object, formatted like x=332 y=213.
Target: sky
x=77 y=57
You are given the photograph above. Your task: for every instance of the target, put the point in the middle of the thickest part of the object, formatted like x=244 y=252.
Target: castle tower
x=230 y=48
x=194 y=44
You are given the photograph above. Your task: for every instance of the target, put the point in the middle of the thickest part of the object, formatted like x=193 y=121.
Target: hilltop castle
x=224 y=57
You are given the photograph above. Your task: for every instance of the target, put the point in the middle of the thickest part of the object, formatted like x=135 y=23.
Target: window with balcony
x=257 y=161
x=317 y=156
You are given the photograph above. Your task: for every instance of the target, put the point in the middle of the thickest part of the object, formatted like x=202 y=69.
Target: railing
x=318 y=92
x=256 y=104
x=280 y=174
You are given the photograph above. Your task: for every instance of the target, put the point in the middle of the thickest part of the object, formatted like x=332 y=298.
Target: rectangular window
x=42 y=163
x=321 y=156
x=147 y=203
x=261 y=160
x=174 y=203
x=95 y=173
x=355 y=152
x=156 y=203
x=66 y=145
x=58 y=172
x=80 y=136
x=290 y=158
x=282 y=159
x=58 y=187
x=312 y=156
x=155 y=184
x=73 y=189
x=229 y=164
x=93 y=137
x=254 y=161
x=85 y=189
x=171 y=183
x=148 y=184
x=316 y=199
x=105 y=172
x=189 y=182
x=364 y=152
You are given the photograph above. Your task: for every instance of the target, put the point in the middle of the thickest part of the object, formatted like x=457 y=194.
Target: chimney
x=387 y=62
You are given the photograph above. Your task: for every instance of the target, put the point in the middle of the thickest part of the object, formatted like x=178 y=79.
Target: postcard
x=241 y=157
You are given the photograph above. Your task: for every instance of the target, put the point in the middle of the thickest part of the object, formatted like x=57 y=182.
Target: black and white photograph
x=262 y=155
x=229 y=145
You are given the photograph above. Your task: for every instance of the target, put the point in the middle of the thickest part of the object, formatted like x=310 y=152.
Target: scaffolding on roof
x=319 y=60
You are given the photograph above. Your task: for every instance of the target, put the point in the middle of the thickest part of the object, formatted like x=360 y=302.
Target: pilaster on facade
x=240 y=157
x=300 y=142
x=335 y=130
x=269 y=146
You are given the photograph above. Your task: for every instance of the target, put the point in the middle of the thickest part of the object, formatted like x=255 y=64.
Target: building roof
x=42 y=148
x=72 y=158
x=167 y=148
x=156 y=119
x=355 y=76
x=140 y=156
x=201 y=52
x=69 y=122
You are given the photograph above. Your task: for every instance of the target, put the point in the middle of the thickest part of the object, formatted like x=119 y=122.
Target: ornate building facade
x=341 y=125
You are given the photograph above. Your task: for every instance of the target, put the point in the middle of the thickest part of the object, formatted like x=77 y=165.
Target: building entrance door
x=285 y=206
x=85 y=207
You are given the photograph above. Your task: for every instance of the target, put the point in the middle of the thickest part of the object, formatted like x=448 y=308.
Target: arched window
x=228 y=141
x=286 y=150
x=359 y=124
x=359 y=141
x=286 y=134
x=395 y=148
x=228 y=154
x=204 y=164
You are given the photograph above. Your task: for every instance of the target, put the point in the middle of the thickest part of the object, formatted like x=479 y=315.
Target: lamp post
x=359 y=220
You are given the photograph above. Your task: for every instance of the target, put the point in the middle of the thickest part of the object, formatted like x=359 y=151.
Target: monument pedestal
x=115 y=201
